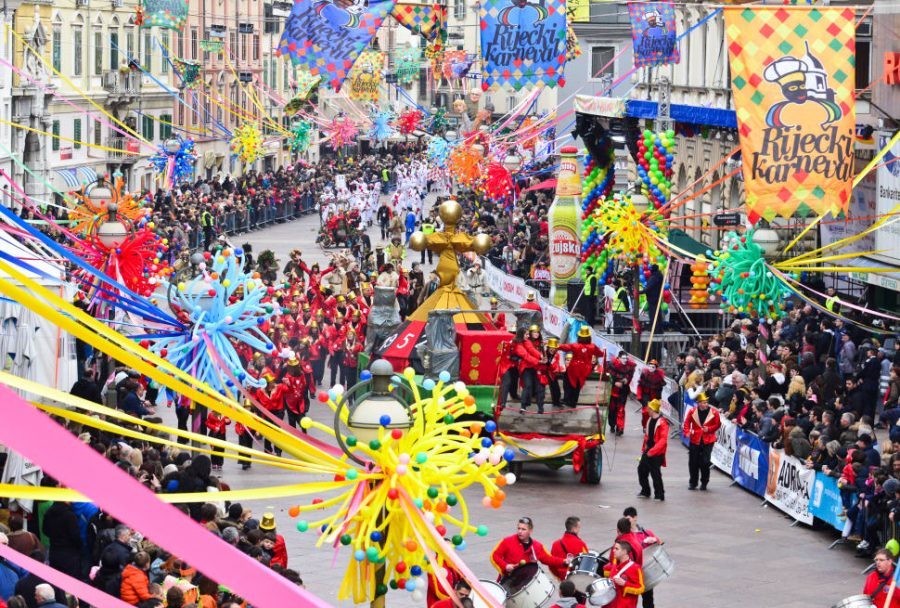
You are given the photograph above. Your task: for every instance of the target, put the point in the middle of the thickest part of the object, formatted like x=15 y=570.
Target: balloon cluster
x=247 y=143
x=745 y=281
x=175 y=167
x=409 y=121
x=438 y=122
x=466 y=165
x=86 y=213
x=438 y=152
x=382 y=127
x=412 y=488
x=301 y=132
x=597 y=186
x=219 y=308
x=341 y=132
x=655 y=162
x=498 y=185
x=699 y=283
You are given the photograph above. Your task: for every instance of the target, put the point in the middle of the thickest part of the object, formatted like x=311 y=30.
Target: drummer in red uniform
x=520 y=549
x=463 y=592
x=295 y=390
x=568 y=545
x=584 y=357
x=627 y=576
x=878 y=583
x=646 y=538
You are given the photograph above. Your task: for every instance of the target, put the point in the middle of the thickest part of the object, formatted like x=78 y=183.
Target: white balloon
x=418 y=596
x=510 y=478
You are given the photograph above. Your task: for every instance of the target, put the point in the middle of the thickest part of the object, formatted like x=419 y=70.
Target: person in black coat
x=115 y=556
x=27 y=584
x=869 y=378
x=87 y=388
x=196 y=479
x=66 y=545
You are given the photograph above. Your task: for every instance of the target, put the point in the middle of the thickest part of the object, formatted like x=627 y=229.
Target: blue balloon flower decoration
x=382 y=128
x=177 y=166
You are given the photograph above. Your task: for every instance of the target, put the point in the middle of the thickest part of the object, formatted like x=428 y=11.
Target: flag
x=792 y=74
x=523 y=42
x=365 y=78
x=425 y=19
x=653 y=33
x=327 y=36
x=170 y=14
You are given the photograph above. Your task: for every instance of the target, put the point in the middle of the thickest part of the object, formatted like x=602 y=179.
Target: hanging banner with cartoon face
x=653 y=33
x=365 y=78
x=793 y=82
x=169 y=14
x=523 y=42
x=327 y=36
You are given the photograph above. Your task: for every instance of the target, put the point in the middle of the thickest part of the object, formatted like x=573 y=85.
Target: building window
x=459 y=9
x=164 y=69
x=510 y=102
x=98 y=133
x=113 y=50
x=255 y=47
x=266 y=72
x=179 y=42
x=129 y=43
x=148 y=52
x=233 y=45
x=863 y=63
x=181 y=114
x=244 y=44
x=55 y=130
x=57 y=48
x=76 y=133
x=273 y=75
x=147 y=127
x=165 y=128
x=600 y=57
x=77 y=50
x=195 y=37
x=98 y=53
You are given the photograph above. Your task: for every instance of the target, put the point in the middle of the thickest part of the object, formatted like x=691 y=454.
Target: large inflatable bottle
x=564 y=216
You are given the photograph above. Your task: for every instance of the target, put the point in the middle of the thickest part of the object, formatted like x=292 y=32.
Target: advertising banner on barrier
x=725 y=447
x=790 y=486
x=751 y=463
x=826 y=501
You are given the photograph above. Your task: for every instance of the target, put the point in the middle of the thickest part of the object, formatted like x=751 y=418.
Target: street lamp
x=189 y=281
x=100 y=194
x=377 y=407
x=768 y=240
x=512 y=162
x=112 y=232
x=172 y=146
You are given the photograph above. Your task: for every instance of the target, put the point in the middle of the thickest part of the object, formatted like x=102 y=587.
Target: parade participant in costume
x=463 y=592
x=646 y=538
x=526 y=358
x=295 y=391
x=568 y=545
x=650 y=386
x=700 y=426
x=584 y=357
x=245 y=438
x=317 y=350
x=539 y=370
x=627 y=576
x=620 y=370
x=497 y=318
x=520 y=548
x=625 y=533
x=271 y=397
x=530 y=302
x=878 y=583
x=333 y=340
x=653 y=452
x=555 y=370
x=507 y=373
x=279 y=551
x=351 y=349
x=216 y=424
x=436 y=594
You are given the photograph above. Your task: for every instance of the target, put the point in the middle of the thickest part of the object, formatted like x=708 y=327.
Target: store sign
x=887 y=239
x=65 y=153
x=892 y=68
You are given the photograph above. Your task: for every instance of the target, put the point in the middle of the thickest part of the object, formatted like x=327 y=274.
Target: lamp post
x=195 y=290
x=112 y=232
x=372 y=405
x=767 y=239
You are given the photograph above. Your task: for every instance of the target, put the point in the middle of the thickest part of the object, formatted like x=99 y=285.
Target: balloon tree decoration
x=174 y=160
x=655 y=159
x=699 y=283
x=382 y=127
x=341 y=132
x=247 y=143
x=438 y=152
x=466 y=164
x=409 y=121
x=599 y=176
x=498 y=185
x=301 y=132
x=747 y=283
x=89 y=208
x=219 y=308
x=404 y=474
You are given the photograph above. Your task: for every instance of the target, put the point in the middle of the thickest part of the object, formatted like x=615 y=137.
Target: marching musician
x=653 y=453
x=878 y=583
x=295 y=391
x=700 y=426
x=497 y=318
x=584 y=357
x=520 y=549
x=626 y=574
x=569 y=544
x=625 y=533
x=621 y=369
x=554 y=370
x=646 y=538
x=463 y=592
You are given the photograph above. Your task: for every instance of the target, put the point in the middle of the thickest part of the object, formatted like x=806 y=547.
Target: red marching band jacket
x=660 y=439
x=568 y=544
x=582 y=363
x=510 y=551
x=627 y=595
x=705 y=433
x=294 y=388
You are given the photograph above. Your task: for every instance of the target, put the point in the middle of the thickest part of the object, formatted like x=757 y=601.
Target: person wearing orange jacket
x=520 y=549
x=584 y=358
x=528 y=358
x=568 y=545
x=653 y=453
x=700 y=426
x=626 y=575
x=135 y=586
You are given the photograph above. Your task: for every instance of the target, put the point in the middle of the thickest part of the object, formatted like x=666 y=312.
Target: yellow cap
x=552 y=343
x=654 y=405
x=584 y=332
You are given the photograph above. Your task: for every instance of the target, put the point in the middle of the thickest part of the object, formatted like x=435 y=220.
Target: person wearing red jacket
x=351 y=349
x=620 y=372
x=626 y=575
x=568 y=545
x=553 y=370
x=625 y=532
x=700 y=426
x=463 y=592
x=584 y=357
x=295 y=390
x=435 y=594
x=528 y=359
x=878 y=583
x=316 y=352
x=646 y=538
x=530 y=303
x=650 y=386
x=271 y=397
x=520 y=548
x=216 y=424
x=653 y=453
x=508 y=374
x=279 y=550
x=497 y=318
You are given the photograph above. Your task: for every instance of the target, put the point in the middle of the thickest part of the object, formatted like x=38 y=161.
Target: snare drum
x=601 y=592
x=494 y=589
x=658 y=566
x=855 y=601
x=528 y=587
x=585 y=569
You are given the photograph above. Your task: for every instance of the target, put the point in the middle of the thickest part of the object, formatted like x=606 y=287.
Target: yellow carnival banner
x=365 y=78
x=792 y=74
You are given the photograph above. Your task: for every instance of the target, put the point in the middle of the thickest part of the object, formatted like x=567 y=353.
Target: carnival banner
x=725 y=447
x=751 y=463
x=826 y=501
x=653 y=33
x=327 y=36
x=169 y=14
x=793 y=82
x=365 y=78
x=456 y=66
x=523 y=42
x=425 y=19
x=790 y=485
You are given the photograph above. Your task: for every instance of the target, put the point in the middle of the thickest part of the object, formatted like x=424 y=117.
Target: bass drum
x=658 y=566
x=601 y=592
x=855 y=601
x=585 y=569
x=494 y=589
x=528 y=587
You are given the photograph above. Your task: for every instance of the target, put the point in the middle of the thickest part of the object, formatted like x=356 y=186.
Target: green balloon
x=893 y=546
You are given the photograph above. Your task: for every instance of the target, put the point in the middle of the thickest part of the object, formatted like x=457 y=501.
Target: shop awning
x=69 y=178
x=547 y=184
x=887 y=280
x=684 y=242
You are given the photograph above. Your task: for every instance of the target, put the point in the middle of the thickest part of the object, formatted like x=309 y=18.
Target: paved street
x=729 y=551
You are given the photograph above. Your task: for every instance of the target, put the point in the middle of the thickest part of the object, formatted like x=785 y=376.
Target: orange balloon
x=469 y=400
x=496 y=503
x=294 y=511
x=500 y=481
x=465 y=433
x=411 y=545
x=427 y=505
x=441 y=507
x=500 y=495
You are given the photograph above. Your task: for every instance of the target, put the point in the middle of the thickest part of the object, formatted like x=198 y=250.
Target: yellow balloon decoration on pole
x=247 y=143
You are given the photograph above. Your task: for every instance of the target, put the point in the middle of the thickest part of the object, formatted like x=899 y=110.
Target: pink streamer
x=77 y=466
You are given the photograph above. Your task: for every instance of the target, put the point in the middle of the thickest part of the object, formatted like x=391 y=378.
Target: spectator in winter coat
x=67 y=554
x=113 y=559
x=135 y=586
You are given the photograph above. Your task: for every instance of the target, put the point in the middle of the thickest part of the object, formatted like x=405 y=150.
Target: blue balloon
x=486 y=442
x=359 y=555
x=416 y=571
x=509 y=455
x=384 y=420
x=428 y=384
x=444 y=376
x=490 y=426
x=365 y=375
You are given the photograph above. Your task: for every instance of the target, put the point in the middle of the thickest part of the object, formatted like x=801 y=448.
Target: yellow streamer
x=16 y=125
